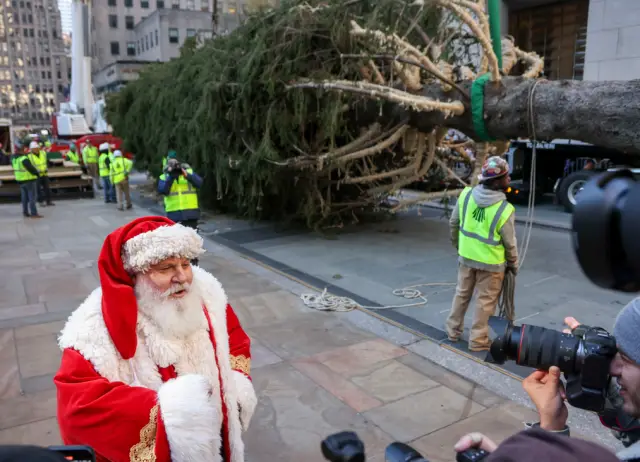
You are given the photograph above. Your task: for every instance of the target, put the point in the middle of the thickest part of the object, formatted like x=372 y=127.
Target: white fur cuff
x=149 y=248
x=191 y=420
x=247 y=399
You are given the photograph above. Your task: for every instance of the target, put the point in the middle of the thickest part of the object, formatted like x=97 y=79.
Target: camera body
x=347 y=447
x=588 y=388
x=584 y=357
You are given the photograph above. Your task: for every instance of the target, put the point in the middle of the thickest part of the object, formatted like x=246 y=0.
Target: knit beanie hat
x=626 y=329
x=131 y=250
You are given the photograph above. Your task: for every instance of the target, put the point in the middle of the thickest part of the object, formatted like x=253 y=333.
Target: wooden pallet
x=66 y=179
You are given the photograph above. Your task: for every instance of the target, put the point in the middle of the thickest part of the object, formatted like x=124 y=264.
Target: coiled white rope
x=327 y=302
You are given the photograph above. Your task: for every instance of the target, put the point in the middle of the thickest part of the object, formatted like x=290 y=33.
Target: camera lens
x=539 y=348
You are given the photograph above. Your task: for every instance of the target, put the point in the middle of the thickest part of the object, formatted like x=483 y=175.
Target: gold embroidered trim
x=241 y=363
x=144 y=451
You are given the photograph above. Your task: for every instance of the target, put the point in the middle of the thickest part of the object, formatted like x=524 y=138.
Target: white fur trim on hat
x=147 y=249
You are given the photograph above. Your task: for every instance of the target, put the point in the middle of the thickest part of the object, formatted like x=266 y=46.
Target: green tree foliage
x=226 y=109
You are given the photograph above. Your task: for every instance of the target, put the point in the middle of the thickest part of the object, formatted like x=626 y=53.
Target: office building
x=113 y=24
x=33 y=69
x=160 y=36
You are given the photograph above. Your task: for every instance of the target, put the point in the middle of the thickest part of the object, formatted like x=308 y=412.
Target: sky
x=65 y=15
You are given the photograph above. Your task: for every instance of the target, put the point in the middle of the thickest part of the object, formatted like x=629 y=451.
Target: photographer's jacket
x=156 y=406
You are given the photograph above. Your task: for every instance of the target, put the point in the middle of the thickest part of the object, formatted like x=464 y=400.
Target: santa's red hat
x=129 y=250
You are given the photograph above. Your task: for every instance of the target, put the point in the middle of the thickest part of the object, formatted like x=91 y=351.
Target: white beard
x=175 y=318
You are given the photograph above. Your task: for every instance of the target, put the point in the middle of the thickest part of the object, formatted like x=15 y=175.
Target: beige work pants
x=92 y=169
x=122 y=194
x=488 y=285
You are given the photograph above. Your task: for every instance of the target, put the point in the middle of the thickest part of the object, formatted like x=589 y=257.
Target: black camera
x=605 y=226
x=347 y=447
x=173 y=168
x=584 y=356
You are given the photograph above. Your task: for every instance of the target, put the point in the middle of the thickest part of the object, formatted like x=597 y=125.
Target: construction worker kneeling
x=483 y=231
x=179 y=185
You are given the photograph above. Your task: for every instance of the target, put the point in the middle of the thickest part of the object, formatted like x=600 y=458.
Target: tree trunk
x=605 y=114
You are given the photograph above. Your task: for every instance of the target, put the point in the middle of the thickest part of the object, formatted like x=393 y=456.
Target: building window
x=174 y=36
x=565 y=36
x=131 y=48
x=128 y=3
x=113 y=21
x=191 y=32
x=175 y=4
x=144 y=4
x=129 y=22
x=112 y=3
x=146 y=42
x=115 y=48
x=31 y=34
x=156 y=37
x=160 y=4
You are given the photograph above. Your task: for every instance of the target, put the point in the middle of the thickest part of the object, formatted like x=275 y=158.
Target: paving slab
x=315 y=373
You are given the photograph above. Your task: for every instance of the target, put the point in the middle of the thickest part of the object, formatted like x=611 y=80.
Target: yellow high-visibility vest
x=182 y=196
x=21 y=173
x=479 y=236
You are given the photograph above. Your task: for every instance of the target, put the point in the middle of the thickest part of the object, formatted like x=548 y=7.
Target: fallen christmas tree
x=319 y=110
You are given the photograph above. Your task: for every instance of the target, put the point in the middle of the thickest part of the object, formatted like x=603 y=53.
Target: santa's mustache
x=176 y=287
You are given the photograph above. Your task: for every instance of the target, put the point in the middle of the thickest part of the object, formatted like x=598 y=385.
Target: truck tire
x=571 y=186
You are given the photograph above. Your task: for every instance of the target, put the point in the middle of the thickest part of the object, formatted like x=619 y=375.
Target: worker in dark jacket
x=27 y=177
x=179 y=185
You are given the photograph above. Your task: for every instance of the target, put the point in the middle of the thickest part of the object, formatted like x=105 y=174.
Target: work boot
x=50 y=203
x=36 y=216
x=129 y=207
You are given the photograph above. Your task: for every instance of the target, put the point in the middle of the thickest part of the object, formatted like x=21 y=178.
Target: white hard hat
x=117 y=154
x=34 y=145
x=104 y=147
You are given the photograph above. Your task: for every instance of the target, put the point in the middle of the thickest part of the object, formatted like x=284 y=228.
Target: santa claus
x=155 y=364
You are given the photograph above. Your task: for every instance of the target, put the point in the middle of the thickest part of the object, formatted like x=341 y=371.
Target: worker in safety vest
x=105 y=159
x=90 y=159
x=26 y=175
x=71 y=155
x=483 y=231
x=179 y=185
x=120 y=169
x=40 y=161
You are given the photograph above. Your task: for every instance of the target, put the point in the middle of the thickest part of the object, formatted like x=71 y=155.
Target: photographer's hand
x=547 y=393
x=476 y=441
x=572 y=323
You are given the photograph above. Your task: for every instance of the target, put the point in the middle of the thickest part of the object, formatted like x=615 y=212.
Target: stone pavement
x=315 y=373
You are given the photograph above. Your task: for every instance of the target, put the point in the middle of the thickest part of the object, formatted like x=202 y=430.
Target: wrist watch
x=565 y=431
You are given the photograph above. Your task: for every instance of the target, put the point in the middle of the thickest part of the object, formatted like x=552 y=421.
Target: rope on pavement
x=327 y=302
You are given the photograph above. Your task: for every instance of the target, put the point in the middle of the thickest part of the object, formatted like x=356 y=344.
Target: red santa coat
x=173 y=401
